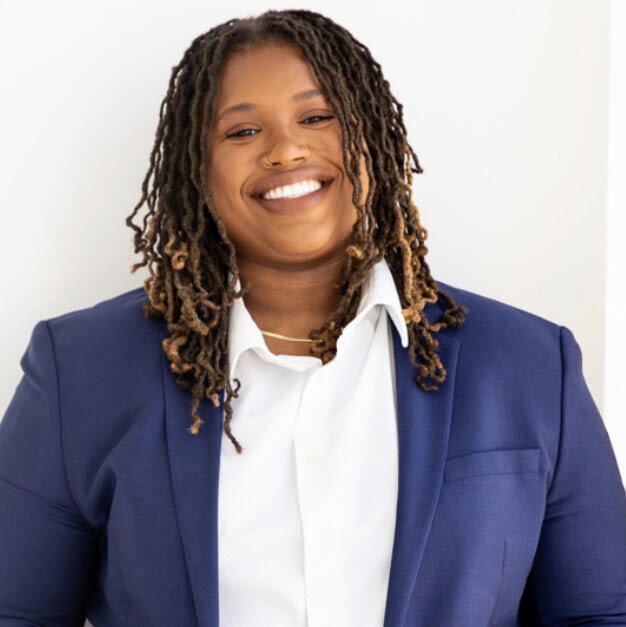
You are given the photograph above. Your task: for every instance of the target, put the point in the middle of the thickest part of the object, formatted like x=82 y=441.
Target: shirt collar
x=378 y=289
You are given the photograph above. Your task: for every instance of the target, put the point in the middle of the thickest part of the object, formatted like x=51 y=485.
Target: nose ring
x=266 y=161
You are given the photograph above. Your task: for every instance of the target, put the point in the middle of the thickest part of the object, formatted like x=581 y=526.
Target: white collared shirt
x=306 y=514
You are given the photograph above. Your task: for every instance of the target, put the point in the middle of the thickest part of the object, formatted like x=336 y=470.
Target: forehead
x=264 y=70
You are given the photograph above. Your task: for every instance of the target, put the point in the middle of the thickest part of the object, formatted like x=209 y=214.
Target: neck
x=291 y=301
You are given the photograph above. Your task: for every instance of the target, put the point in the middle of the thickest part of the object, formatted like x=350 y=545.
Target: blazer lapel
x=423 y=430
x=194 y=467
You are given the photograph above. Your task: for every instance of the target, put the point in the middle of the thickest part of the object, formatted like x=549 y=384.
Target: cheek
x=221 y=179
x=327 y=144
x=335 y=147
x=225 y=183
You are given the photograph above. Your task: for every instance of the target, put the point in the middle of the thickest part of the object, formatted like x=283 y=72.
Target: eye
x=239 y=134
x=249 y=132
x=319 y=118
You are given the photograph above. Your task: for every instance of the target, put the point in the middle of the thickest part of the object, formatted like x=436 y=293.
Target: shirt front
x=306 y=514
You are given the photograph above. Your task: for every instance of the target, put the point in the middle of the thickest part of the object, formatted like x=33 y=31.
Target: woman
x=440 y=465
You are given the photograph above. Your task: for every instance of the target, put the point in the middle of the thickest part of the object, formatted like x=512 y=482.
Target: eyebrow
x=248 y=106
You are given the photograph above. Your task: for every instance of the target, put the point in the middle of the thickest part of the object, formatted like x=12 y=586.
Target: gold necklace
x=286 y=337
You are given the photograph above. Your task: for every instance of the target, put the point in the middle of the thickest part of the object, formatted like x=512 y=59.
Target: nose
x=285 y=148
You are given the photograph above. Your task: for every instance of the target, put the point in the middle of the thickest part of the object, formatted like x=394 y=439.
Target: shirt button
x=313 y=460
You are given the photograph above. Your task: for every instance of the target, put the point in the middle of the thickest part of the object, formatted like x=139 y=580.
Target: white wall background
x=506 y=104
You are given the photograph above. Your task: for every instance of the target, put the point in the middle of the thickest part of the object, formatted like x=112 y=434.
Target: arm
x=49 y=552
x=579 y=572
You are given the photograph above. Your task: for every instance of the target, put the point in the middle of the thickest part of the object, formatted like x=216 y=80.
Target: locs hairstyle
x=184 y=241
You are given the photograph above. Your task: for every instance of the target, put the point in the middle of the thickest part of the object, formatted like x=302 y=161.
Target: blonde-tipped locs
x=191 y=261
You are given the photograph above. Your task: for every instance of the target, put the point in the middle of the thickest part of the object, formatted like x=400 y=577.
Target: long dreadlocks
x=184 y=241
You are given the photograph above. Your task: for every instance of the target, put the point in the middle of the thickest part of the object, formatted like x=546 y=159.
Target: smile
x=295 y=190
x=294 y=198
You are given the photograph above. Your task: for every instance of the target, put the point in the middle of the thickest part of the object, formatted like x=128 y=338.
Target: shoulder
x=116 y=321
x=504 y=349
x=120 y=318
x=109 y=341
x=492 y=320
x=123 y=307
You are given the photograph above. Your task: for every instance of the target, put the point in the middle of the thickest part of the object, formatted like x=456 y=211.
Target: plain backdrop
x=512 y=108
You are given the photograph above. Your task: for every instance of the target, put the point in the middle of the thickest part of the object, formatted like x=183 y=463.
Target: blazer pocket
x=501 y=461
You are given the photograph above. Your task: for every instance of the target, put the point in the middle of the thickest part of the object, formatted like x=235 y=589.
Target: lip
x=287 y=178
x=294 y=205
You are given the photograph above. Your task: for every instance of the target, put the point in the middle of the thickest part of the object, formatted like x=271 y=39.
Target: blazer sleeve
x=49 y=552
x=578 y=575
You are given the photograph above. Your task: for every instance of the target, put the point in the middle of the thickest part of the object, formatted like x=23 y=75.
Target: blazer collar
x=424 y=420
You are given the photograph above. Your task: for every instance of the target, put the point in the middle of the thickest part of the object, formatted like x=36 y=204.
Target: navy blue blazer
x=511 y=508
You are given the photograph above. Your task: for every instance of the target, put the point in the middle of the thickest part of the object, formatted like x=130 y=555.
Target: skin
x=291 y=263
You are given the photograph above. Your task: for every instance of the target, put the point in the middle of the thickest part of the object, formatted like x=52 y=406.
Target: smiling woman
x=255 y=107
x=405 y=466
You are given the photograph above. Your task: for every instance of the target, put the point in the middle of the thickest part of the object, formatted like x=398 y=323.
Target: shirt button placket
x=310 y=443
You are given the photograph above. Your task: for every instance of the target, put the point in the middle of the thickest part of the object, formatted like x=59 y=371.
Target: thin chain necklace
x=286 y=337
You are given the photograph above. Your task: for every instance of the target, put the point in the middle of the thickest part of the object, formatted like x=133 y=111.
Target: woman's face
x=265 y=110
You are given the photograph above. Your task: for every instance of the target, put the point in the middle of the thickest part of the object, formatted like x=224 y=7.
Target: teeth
x=293 y=191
